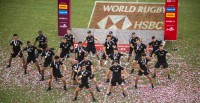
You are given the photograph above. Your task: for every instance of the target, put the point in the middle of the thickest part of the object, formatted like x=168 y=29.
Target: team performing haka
x=82 y=69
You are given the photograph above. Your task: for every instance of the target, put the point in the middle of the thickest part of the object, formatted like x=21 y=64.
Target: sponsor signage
x=63 y=16
x=171 y=20
x=127 y=16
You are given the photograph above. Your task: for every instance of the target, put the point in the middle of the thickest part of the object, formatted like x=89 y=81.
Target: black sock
x=136 y=86
x=75 y=97
x=168 y=76
x=65 y=88
x=108 y=93
x=152 y=85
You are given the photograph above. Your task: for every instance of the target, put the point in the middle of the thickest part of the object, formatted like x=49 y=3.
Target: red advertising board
x=171 y=20
x=121 y=47
x=64 y=19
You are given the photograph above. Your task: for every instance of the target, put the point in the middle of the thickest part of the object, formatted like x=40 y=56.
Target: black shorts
x=140 y=73
x=46 y=63
x=114 y=81
x=104 y=56
x=158 y=64
x=86 y=85
x=57 y=75
x=31 y=59
x=152 y=53
x=74 y=75
x=137 y=56
x=91 y=49
x=92 y=77
x=13 y=55
x=39 y=52
x=130 y=51
x=63 y=55
x=80 y=59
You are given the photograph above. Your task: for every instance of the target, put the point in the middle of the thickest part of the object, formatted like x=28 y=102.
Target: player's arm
x=96 y=39
x=35 y=42
x=58 y=51
x=21 y=46
x=85 y=40
x=73 y=39
x=46 y=40
x=75 y=51
x=71 y=75
x=163 y=43
x=108 y=73
x=138 y=66
x=64 y=68
x=104 y=50
x=92 y=69
x=11 y=49
x=79 y=76
x=168 y=55
x=124 y=73
x=114 y=46
x=110 y=57
x=148 y=47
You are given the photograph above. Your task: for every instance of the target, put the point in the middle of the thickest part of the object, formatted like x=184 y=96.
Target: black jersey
x=48 y=55
x=139 y=49
x=90 y=41
x=116 y=71
x=75 y=67
x=79 y=51
x=114 y=40
x=70 y=38
x=143 y=63
x=56 y=66
x=133 y=40
x=88 y=64
x=155 y=44
x=109 y=47
x=30 y=50
x=16 y=45
x=85 y=75
x=117 y=56
x=65 y=47
x=41 y=39
x=161 y=55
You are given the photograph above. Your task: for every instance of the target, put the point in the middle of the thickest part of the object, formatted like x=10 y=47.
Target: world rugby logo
x=127 y=16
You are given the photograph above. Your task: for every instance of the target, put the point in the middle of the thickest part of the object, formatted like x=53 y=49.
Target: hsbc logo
x=170 y=29
x=169 y=1
x=115 y=22
x=63 y=26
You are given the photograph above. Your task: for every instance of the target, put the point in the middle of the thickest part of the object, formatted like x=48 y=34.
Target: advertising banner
x=127 y=16
x=171 y=20
x=63 y=16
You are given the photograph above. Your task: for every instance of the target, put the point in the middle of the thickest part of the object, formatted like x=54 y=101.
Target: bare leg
x=154 y=72
x=64 y=83
x=38 y=67
x=133 y=66
x=101 y=62
x=43 y=70
x=76 y=93
x=136 y=81
x=25 y=67
x=151 y=80
x=23 y=60
x=168 y=73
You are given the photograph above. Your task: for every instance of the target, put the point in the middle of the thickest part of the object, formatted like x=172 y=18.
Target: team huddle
x=82 y=68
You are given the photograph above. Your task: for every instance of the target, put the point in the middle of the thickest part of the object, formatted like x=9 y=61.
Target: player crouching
x=55 y=71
